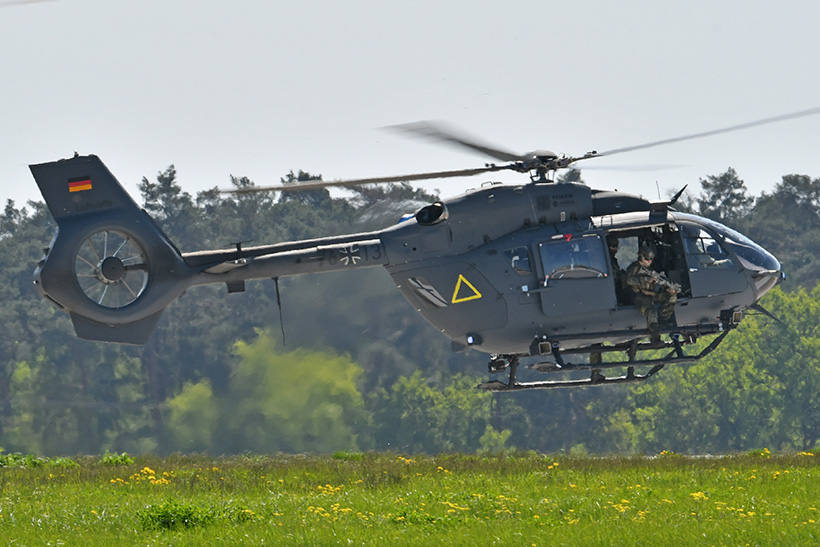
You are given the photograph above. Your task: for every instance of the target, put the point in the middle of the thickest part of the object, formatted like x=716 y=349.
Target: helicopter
x=514 y=271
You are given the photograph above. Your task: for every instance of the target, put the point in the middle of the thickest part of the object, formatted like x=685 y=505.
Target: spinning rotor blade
x=539 y=162
x=9 y=3
x=739 y=127
x=650 y=167
x=437 y=131
x=312 y=185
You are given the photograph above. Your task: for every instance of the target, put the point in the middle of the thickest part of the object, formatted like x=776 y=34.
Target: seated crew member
x=651 y=290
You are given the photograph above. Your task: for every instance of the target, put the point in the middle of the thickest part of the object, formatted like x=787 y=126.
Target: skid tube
x=596 y=378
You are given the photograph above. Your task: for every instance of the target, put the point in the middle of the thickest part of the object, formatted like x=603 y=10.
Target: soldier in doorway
x=653 y=294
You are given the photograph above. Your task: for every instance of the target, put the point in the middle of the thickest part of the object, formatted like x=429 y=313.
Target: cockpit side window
x=573 y=258
x=703 y=250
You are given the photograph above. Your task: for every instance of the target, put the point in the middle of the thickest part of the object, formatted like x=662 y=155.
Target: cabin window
x=573 y=258
x=519 y=260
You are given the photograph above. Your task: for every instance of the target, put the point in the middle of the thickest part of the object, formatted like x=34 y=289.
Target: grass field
x=388 y=499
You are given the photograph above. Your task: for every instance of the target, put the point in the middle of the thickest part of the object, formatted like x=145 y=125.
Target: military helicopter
x=515 y=271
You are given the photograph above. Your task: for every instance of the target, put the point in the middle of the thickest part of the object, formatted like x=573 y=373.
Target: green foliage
x=724 y=198
x=28 y=461
x=116 y=459
x=298 y=401
x=293 y=402
x=193 y=415
x=62 y=462
x=348 y=456
x=418 y=416
x=22 y=460
x=174 y=515
x=494 y=442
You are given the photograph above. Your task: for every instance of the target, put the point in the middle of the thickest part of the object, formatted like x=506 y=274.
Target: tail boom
x=114 y=270
x=298 y=258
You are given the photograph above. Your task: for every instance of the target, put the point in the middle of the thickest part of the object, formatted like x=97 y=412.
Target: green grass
x=378 y=499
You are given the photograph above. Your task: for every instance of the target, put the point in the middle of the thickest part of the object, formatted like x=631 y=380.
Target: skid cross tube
x=676 y=356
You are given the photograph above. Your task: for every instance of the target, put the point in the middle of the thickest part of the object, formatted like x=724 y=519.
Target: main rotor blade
x=739 y=127
x=8 y=3
x=649 y=167
x=314 y=184
x=437 y=131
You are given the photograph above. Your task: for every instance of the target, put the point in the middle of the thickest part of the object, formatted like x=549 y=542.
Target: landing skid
x=596 y=378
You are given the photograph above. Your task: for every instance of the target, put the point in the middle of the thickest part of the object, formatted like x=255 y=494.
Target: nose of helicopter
x=765 y=270
x=766 y=280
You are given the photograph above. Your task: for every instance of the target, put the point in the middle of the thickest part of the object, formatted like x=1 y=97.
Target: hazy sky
x=256 y=88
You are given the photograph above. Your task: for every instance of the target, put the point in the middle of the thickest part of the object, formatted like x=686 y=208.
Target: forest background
x=352 y=367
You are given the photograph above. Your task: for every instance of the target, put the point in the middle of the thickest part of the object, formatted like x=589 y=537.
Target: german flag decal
x=79 y=184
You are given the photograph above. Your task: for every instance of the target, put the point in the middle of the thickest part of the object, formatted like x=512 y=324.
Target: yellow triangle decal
x=472 y=292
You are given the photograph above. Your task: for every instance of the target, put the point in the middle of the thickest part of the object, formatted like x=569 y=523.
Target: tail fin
x=109 y=264
x=79 y=186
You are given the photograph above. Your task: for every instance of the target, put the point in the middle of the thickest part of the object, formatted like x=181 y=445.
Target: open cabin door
x=574 y=275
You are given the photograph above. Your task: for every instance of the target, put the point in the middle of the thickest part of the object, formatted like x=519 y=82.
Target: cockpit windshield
x=751 y=255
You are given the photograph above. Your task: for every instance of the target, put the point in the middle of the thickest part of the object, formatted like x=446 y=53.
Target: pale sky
x=256 y=88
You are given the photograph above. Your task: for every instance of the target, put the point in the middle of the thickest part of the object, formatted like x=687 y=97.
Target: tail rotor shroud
x=111 y=269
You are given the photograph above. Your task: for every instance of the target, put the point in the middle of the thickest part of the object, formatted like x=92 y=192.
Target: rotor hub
x=112 y=269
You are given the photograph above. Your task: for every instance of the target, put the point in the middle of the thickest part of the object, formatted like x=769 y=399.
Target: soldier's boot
x=654 y=334
x=652 y=325
x=632 y=351
x=595 y=357
x=668 y=321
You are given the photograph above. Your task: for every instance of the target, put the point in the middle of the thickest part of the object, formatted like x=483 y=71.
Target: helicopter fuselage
x=503 y=269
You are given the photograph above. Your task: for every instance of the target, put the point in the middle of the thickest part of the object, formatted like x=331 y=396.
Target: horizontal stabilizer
x=135 y=333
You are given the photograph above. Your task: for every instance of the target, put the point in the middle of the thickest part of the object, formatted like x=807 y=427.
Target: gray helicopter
x=515 y=271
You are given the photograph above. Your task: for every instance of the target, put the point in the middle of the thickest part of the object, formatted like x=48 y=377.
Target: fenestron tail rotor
x=110 y=266
x=111 y=269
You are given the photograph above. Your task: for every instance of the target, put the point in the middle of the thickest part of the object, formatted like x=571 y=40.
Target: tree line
x=350 y=366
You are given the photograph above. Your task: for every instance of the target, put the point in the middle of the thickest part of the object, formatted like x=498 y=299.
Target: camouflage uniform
x=651 y=290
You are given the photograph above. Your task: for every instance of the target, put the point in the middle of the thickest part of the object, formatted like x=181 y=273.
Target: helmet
x=647 y=251
x=612 y=240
